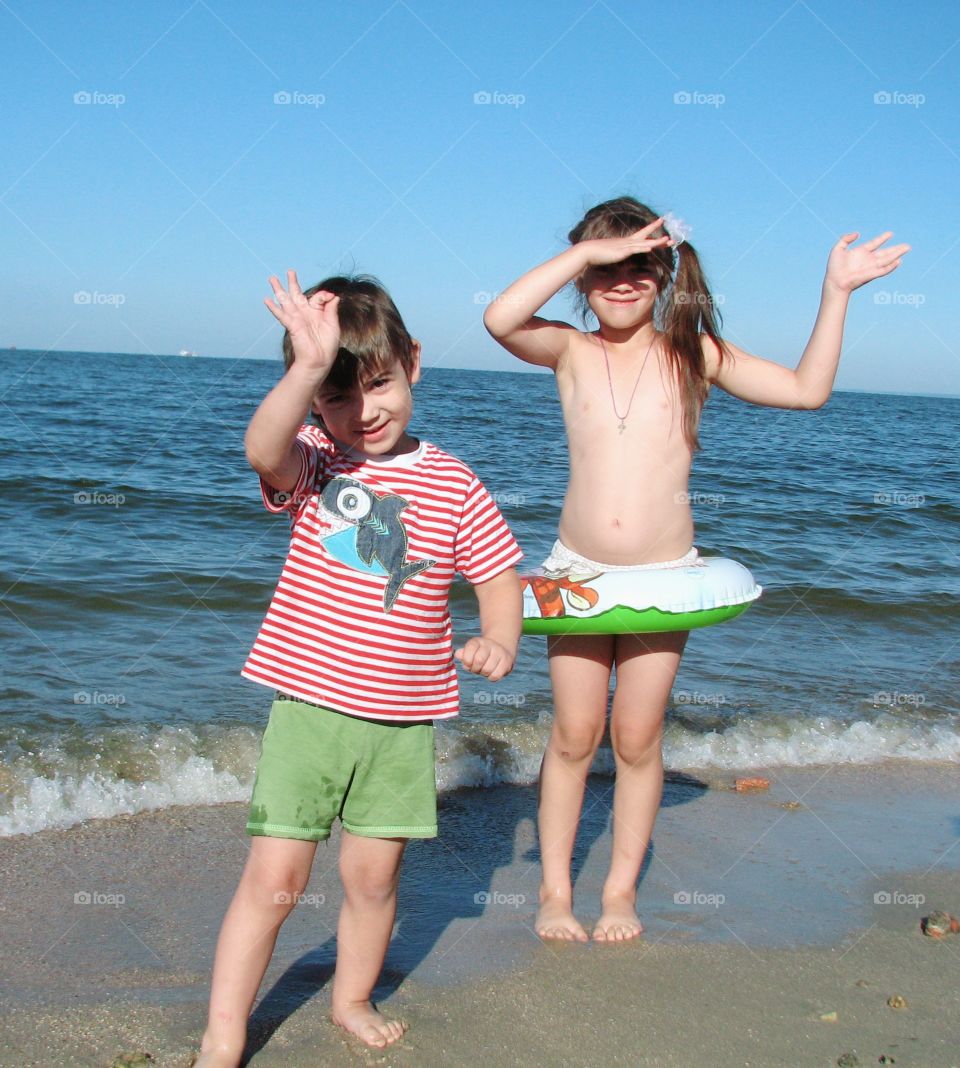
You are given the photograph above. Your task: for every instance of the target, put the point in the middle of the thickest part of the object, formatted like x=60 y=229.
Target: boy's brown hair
x=372 y=333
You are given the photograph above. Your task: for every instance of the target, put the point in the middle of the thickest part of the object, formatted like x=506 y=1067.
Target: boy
x=357 y=641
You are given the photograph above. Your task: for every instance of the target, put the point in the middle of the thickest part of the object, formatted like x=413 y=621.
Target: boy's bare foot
x=363 y=1021
x=556 y=921
x=619 y=921
x=216 y=1058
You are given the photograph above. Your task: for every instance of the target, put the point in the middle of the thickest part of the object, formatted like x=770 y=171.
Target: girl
x=631 y=394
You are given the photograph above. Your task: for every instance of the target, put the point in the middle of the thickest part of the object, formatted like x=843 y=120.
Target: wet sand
x=764 y=913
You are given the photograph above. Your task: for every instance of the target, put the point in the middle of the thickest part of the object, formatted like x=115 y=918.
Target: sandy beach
x=766 y=914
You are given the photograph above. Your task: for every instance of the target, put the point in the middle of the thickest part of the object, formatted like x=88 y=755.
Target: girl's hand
x=849 y=268
x=616 y=249
x=311 y=321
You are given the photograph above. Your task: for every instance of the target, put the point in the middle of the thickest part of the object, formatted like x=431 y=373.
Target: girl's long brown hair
x=685 y=308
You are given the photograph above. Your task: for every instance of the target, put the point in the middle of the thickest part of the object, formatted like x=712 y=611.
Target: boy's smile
x=371 y=415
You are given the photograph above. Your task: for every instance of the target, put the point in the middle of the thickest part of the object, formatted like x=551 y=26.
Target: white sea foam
x=800 y=742
x=63 y=801
x=54 y=787
x=59 y=783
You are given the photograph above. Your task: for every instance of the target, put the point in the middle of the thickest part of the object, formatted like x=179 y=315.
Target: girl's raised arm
x=511 y=318
x=764 y=382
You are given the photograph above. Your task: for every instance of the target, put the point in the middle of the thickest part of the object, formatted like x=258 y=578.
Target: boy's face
x=372 y=415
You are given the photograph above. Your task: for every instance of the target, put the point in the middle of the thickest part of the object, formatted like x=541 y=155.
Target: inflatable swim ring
x=655 y=600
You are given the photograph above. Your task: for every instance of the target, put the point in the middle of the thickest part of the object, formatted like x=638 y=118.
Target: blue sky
x=164 y=158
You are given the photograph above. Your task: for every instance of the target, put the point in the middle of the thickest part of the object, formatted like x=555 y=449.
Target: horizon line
x=426 y=367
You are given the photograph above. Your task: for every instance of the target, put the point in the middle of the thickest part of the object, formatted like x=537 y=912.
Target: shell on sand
x=938 y=924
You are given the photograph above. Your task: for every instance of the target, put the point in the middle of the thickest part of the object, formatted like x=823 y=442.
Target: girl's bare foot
x=556 y=921
x=363 y=1021
x=619 y=921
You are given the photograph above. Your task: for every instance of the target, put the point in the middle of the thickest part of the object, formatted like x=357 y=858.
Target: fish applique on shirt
x=371 y=536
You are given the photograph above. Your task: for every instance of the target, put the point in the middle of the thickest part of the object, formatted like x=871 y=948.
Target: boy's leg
x=580 y=673
x=370 y=872
x=276 y=872
x=646 y=668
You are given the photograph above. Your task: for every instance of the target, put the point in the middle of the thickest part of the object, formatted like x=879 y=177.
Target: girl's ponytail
x=690 y=311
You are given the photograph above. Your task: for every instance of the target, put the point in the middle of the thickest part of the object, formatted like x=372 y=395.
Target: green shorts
x=316 y=764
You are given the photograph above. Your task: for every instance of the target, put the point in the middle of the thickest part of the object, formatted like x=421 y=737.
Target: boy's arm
x=511 y=318
x=501 y=609
x=808 y=386
x=314 y=329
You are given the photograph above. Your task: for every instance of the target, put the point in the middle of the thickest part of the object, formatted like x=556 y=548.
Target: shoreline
x=761 y=916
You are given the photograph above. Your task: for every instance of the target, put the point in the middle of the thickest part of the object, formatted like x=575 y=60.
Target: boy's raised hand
x=311 y=321
x=484 y=656
x=604 y=250
x=849 y=268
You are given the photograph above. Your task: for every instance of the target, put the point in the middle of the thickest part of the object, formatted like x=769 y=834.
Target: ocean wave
x=67 y=778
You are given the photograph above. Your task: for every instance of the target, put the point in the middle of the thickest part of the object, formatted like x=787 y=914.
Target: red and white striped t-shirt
x=359 y=621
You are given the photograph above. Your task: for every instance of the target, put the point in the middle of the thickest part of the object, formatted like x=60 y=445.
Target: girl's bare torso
x=627 y=498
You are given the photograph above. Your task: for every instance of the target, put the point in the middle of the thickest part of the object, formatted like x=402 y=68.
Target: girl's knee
x=575 y=744
x=637 y=748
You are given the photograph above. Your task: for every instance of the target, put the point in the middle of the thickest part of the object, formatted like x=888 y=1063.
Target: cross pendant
x=622 y=426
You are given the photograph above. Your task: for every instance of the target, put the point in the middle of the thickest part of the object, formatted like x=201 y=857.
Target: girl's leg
x=276 y=872
x=370 y=871
x=580 y=673
x=646 y=668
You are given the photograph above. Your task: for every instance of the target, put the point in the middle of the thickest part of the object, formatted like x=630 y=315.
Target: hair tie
x=677 y=230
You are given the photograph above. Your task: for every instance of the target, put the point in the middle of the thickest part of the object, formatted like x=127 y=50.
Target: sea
x=137 y=563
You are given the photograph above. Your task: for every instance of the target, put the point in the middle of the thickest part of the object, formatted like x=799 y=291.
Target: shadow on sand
x=486 y=856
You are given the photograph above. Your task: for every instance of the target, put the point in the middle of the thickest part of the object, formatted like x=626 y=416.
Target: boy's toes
x=365 y=1023
x=394 y=1030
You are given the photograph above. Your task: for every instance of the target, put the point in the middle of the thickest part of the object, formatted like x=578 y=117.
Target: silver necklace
x=621 y=426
